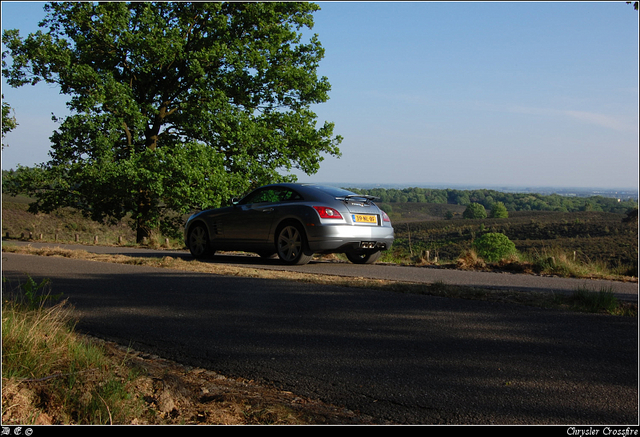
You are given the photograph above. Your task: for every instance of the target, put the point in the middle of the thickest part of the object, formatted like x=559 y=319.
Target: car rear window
x=337 y=192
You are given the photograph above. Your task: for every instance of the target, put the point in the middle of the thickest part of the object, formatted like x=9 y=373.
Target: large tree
x=173 y=106
x=8 y=121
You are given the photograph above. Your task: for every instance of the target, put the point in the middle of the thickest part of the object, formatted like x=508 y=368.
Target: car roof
x=326 y=189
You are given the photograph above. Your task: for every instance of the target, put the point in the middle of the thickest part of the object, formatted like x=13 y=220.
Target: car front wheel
x=290 y=245
x=199 y=242
x=363 y=258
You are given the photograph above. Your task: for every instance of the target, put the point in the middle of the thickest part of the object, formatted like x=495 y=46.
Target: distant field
x=593 y=236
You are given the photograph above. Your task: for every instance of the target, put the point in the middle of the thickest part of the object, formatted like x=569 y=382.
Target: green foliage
x=498 y=210
x=8 y=121
x=511 y=201
x=474 y=211
x=494 y=246
x=175 y=106
x=35 y=295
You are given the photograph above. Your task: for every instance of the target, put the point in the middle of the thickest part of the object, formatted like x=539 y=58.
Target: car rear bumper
x=340 y=238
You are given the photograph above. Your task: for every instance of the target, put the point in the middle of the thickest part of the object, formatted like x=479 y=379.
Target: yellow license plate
x=365 y=218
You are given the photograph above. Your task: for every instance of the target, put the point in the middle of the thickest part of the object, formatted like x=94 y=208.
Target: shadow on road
x=407 y=358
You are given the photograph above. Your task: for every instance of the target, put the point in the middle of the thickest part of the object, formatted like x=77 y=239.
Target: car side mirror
x=234 y=201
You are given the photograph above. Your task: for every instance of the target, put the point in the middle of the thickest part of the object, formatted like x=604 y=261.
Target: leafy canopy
x=174 y=106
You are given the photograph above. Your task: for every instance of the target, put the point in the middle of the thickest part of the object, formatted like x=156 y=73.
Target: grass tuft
x=600 y=301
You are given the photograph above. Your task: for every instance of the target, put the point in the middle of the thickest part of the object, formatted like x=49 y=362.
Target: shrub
x=475 y=211
x=494 y=246
x=499 y=210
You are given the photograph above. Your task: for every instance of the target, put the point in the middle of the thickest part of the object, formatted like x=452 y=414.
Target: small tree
x=499 y=210
x=474 y=211
x=494 y=246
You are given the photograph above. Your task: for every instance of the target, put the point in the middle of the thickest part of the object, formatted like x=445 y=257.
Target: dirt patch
x=173 y=394
x=177 y=394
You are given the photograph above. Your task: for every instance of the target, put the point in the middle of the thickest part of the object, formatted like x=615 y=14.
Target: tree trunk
x=143 y=223
x=142 y=232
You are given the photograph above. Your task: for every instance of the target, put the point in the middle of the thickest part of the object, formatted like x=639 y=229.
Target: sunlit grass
x=49 y=374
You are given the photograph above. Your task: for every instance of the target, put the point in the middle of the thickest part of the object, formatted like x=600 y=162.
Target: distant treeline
x=513 y=201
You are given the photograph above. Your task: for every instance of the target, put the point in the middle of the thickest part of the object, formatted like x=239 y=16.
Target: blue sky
x=493 y=94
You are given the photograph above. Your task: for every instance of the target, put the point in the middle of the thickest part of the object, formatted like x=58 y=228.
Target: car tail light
x=385 y=217
x=327 y=213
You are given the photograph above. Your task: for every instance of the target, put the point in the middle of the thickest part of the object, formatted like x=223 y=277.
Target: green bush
x=494 y=246
x=474 y=211
x=499 y=210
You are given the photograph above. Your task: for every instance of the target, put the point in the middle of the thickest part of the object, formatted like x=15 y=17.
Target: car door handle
x=267 y=210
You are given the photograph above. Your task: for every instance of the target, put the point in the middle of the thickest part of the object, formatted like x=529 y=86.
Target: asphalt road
x=622 y=290
x=398 y=357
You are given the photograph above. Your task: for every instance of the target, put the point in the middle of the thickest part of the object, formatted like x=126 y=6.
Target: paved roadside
x=627 y=291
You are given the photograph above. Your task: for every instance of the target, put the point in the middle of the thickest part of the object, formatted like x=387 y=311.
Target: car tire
x=198 y=242
x=291 y=245
x=363 y=258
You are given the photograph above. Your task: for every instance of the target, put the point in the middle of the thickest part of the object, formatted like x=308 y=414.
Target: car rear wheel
x=290 y=245
x=199 y=242
x=363 y=258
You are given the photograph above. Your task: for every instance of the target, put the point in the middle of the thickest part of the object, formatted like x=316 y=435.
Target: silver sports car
x=294 y=221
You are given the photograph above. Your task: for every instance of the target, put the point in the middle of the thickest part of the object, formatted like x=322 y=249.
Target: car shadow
x=243 y=259
x=218 y=258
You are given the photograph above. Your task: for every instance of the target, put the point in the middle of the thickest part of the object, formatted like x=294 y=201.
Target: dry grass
x=470 y=260
x=50 y=375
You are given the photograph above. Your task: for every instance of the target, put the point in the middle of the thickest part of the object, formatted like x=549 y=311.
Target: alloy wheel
x=290 y=245
x=198 y=242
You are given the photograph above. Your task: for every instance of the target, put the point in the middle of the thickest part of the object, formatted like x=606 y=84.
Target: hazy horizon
x=497 y=187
